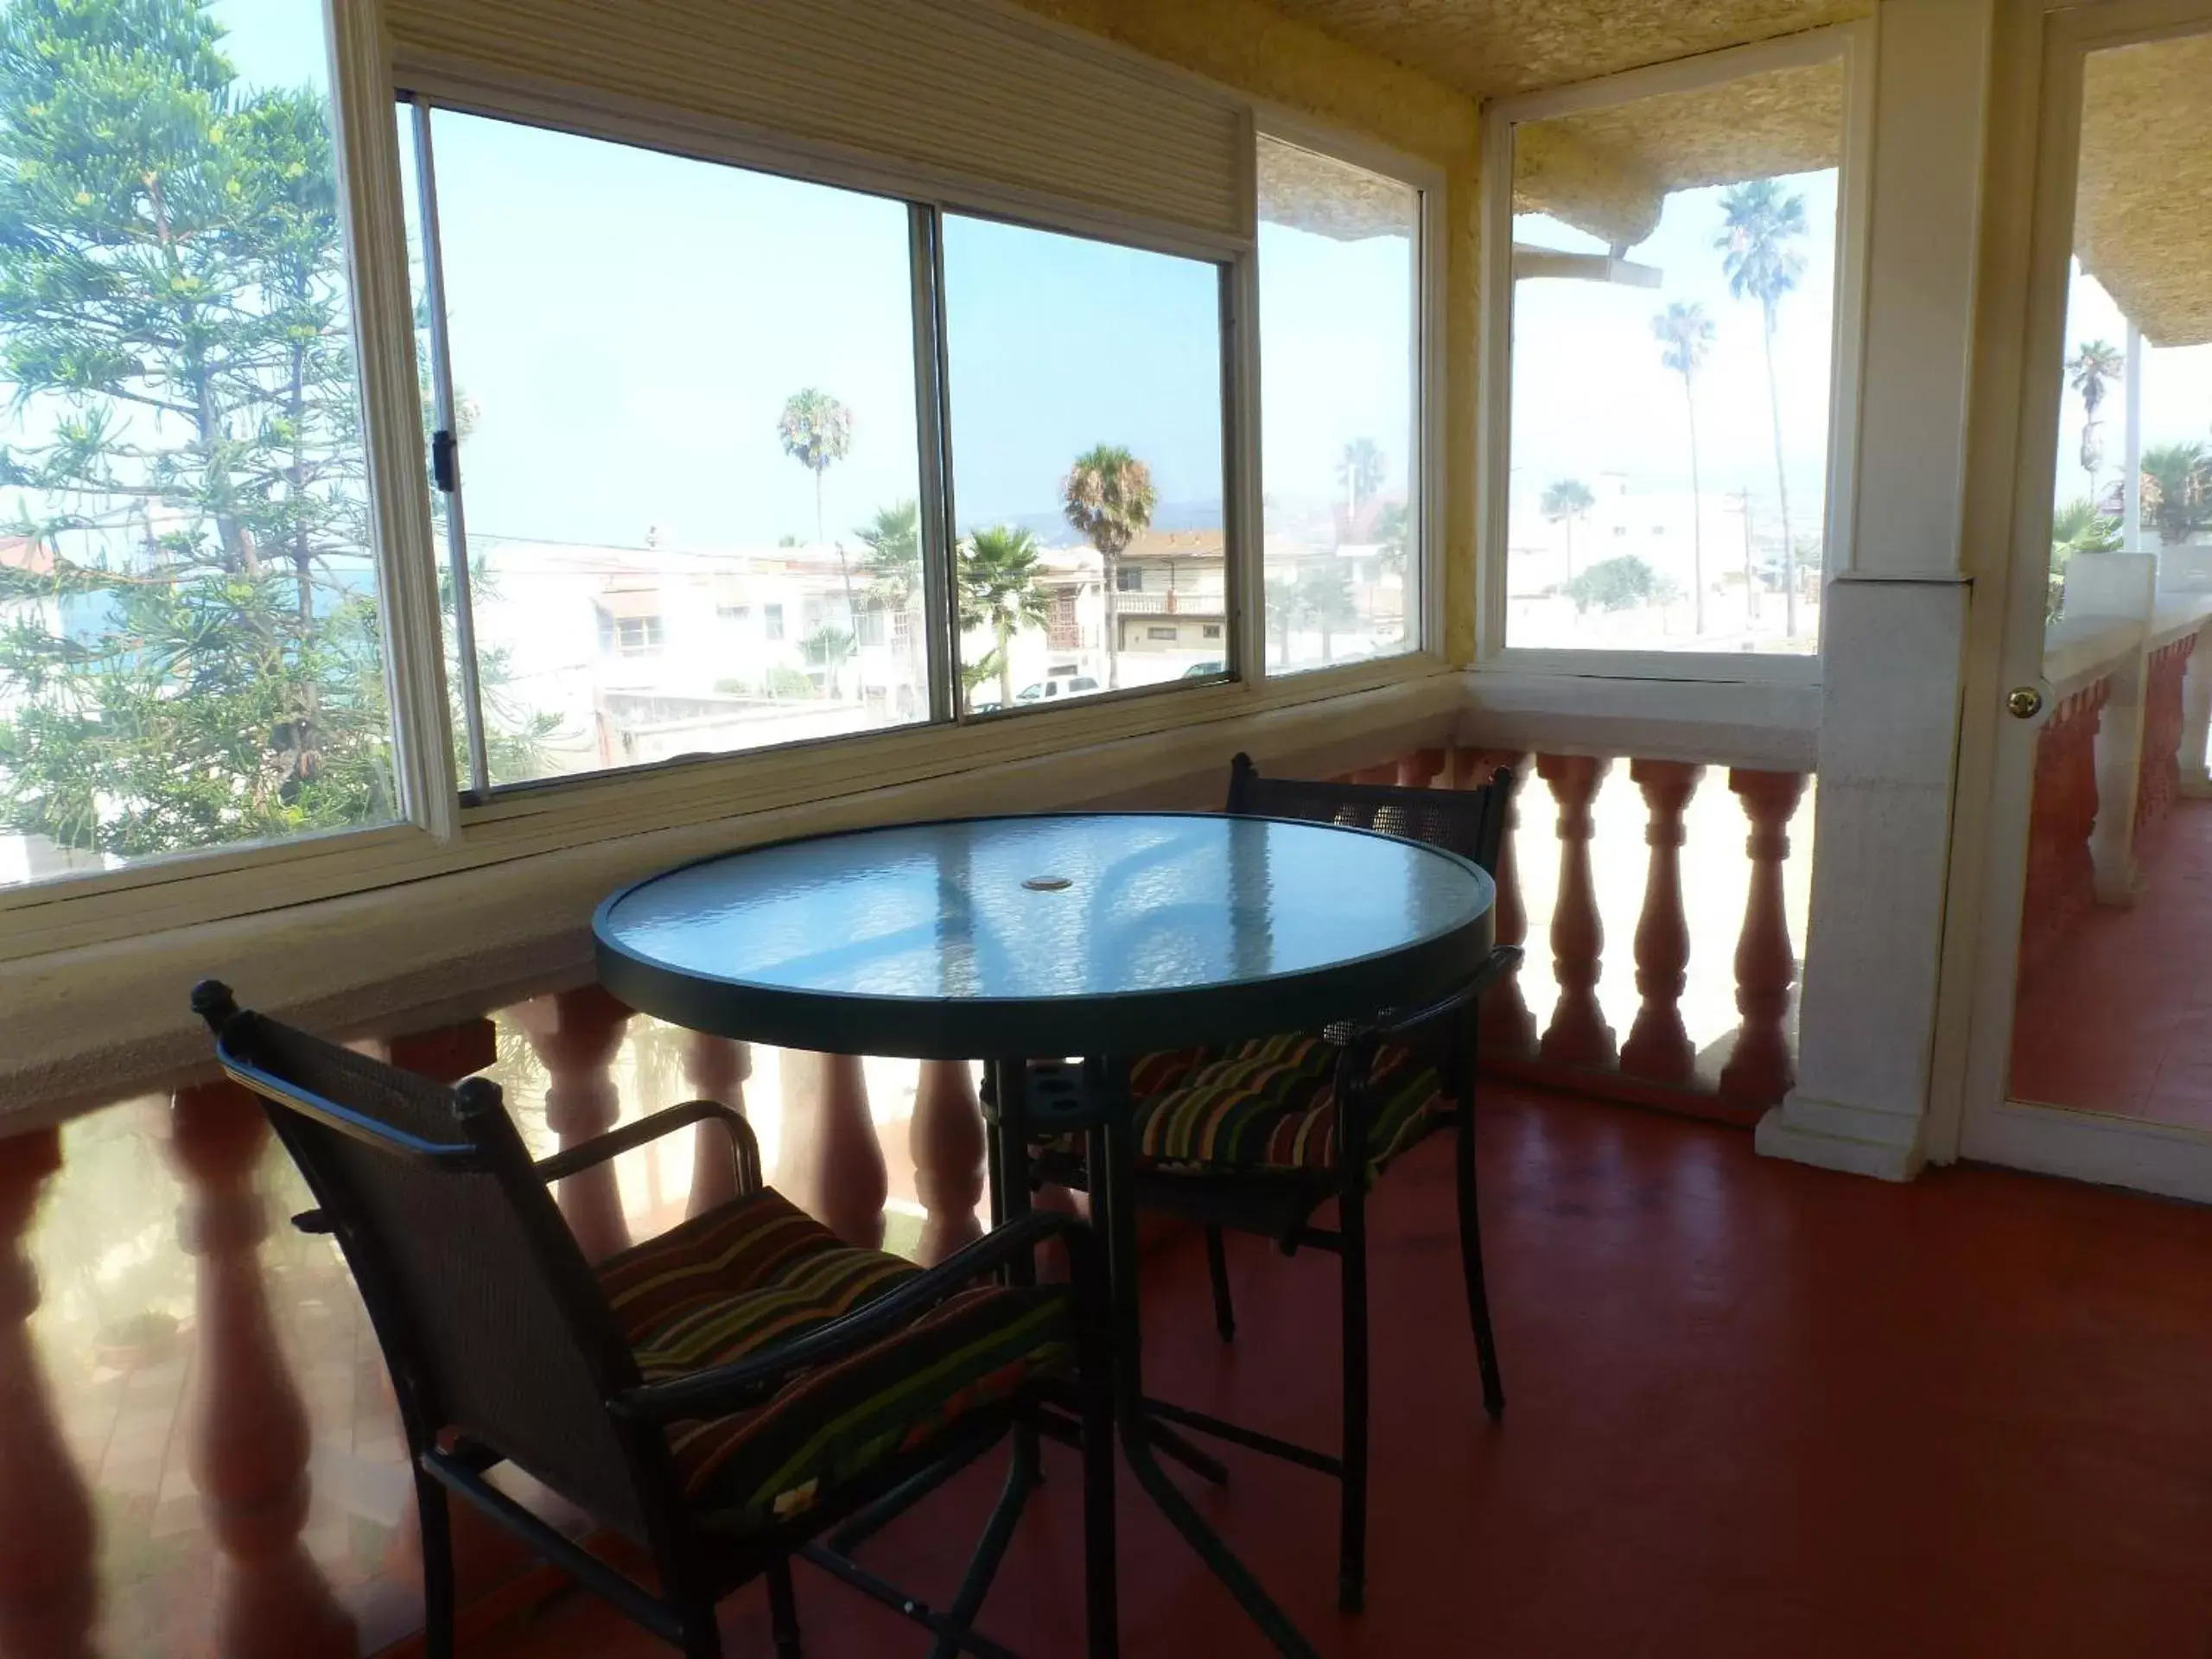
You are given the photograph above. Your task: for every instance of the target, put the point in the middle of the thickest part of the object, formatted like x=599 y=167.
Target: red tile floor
x=2121 y=1019
x=1755 y=1409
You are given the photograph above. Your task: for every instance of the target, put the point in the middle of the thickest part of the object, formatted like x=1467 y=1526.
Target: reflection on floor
x=2121 y=1020
x=1756 y=1410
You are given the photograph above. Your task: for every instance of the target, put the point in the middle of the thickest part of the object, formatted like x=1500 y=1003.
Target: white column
x=1896 y=618
x=2131 y=457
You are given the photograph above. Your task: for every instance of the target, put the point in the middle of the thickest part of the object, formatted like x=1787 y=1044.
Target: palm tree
x=1685 y=333
x=892 y=565
x=2094 y=364
x=2178 y=490
x=1001 y=588
x=816 y=431
x=2077 y=527
x=1762 y=225
x=1362 y=472
x=1564 y=502
x=1109 y=498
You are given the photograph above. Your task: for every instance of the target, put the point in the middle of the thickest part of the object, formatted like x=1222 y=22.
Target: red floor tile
x=1755 y=1409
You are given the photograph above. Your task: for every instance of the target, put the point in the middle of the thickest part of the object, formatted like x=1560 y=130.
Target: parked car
x=1205 y=670
x=1072 y=685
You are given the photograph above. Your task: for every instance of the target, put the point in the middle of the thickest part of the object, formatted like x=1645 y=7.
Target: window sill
x=1772 y=726
x=504 y=913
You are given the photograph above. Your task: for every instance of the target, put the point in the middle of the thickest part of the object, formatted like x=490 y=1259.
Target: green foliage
x=1109 y=498
x=203 y=664
x=1361 y=469
x=826 y=647
x=1001 y=588
x=2178 y=490
x=892 y=562
x=1391 y=537
x=2077 y=527
x=1760 y=223
x=1616 y=584
x=786 y=684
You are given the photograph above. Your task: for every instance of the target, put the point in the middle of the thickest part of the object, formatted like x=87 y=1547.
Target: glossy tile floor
x=2121 y=1020
x=1756 y=1410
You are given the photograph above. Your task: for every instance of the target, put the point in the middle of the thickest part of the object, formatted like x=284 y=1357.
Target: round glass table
x=1012 y=939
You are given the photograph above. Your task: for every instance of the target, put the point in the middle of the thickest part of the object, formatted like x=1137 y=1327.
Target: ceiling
x=1487 y=47
x=2143 y=221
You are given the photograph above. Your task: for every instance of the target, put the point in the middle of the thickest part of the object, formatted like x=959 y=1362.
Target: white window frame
x=1425 y=477
x=443 y=832
x=1852 y=46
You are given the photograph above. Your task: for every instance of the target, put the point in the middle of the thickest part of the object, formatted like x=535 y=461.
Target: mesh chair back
x=489 y=1316
x=1468 y=822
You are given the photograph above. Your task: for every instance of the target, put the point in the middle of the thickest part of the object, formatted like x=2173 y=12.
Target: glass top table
x=1105 y=935
x=1081 y=933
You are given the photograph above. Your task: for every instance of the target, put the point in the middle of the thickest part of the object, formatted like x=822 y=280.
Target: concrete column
x=1895 y=618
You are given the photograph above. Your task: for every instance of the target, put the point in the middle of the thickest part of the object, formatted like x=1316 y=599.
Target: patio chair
x=719 y=1395
x=1257 y=1138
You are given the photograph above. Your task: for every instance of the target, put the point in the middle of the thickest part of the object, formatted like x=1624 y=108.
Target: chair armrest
x=1501 y=960
x=726 y=1388
x=743 y=1147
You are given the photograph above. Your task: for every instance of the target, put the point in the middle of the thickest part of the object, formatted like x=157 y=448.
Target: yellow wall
x=1246 y=45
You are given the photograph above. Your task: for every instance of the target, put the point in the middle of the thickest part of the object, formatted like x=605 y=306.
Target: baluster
x=1658 y=1048
x=49 y=1585
x=1418 y=769
x=718 y=1068
x=2194 y=781
x=945 y=1139
x=248 y=1450
x=1509 y=1029
x=577 y=1034
x=1760 y=1069
x=832 y=1164
x=1578 y=1034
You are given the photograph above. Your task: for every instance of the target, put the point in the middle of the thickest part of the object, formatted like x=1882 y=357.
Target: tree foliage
x=1001 y=588
x=1759 y=254
x=190 y=652
x=2178 y=490
x=1109 y=498
x=1616 y=584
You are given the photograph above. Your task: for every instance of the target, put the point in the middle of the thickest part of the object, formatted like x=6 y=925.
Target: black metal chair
x=721 y=1395
x=1258 y=1138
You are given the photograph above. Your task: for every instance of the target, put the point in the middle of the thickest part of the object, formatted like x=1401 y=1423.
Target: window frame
x=1425 y=476
x=444 y=828
x=1850 y=44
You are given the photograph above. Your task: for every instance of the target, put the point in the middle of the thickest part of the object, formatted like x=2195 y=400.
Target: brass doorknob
x=2025 y=702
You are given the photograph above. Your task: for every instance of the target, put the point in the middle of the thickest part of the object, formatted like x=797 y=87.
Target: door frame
x=2040 y=50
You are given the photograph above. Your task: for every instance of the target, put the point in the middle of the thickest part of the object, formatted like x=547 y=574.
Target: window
x=740 y=614
x=1168 y=634
x=1064 y=475
x=1674 y=312
x=871 y=630
x=1340 y=340
x=191 y=651
x=1211 y=630
x=714 y=393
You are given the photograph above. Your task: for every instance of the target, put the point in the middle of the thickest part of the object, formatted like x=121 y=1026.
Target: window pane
x=1086 y=463
x=688 y=464
x=1673 y=319
x=190 y=654
x=1338 y=281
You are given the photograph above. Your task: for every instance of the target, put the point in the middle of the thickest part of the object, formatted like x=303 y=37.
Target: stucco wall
x=1247 y=44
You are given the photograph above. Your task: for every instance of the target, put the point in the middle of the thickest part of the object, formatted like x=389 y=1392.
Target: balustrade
x=49 y=1589
x=1659 y=1046
x=2061 y=883
x=2159 y=783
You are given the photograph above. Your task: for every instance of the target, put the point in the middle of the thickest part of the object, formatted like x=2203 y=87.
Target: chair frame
x=695 y=1568
x=1279 y=1204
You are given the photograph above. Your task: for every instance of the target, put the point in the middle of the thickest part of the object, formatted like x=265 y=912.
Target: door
x=2091 y=1047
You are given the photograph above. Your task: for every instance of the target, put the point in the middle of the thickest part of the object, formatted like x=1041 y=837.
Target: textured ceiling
x=1485 y=48
x=1608 y=170
x=2143 y=224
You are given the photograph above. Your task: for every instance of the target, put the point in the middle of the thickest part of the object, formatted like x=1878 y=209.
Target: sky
x=1591 y=393
x=640 y=390
x=2177 y=390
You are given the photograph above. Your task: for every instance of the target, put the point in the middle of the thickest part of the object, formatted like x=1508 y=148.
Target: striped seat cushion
x=757 y=1271
x=1272 y=1104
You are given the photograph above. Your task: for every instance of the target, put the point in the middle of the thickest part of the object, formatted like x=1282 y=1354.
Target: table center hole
x=1048 y=883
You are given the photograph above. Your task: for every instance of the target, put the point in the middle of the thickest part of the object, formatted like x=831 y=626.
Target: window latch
x=445 y=460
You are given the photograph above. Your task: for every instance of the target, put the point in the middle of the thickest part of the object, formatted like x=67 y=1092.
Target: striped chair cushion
x=757 y=1271
x=1272 y=1104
